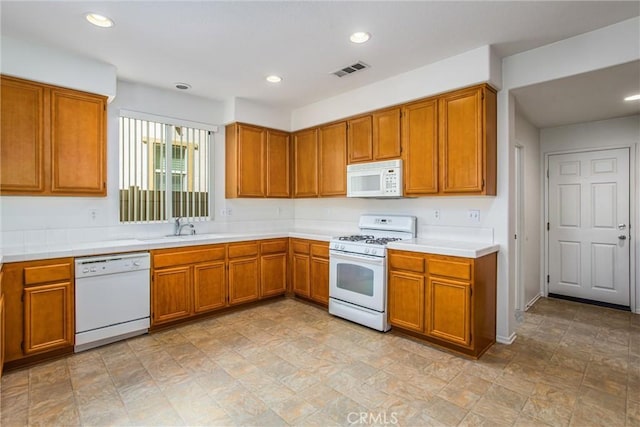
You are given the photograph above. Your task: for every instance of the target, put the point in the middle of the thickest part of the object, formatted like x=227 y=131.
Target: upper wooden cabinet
x=305 y=163
x=420 y=138
x=467 y=140
x=53 y=140
x=360 y=139
x=332 y=163
x=278 y=167
x=386 y=134
x=256 y=162
x=375 y=136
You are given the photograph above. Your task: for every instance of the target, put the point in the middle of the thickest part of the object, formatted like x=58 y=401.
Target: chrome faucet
x=178 y=226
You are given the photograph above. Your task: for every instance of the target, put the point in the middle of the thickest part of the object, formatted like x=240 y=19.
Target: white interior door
x=589 y=225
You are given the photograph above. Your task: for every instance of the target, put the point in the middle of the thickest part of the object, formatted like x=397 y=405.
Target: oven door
x=358 y=279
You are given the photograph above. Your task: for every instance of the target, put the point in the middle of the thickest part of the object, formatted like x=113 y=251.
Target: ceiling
x=598 y=95
x=226 y=49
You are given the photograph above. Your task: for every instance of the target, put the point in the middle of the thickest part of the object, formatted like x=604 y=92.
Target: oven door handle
x=368 y=259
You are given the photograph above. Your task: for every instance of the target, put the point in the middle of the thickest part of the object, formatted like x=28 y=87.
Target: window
x=164 y=170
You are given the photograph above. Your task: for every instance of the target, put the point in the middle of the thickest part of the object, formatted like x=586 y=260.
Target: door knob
x=622 y=226
x=622 y=237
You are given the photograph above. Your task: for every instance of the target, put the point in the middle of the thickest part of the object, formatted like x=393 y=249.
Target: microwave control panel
x=391 y=180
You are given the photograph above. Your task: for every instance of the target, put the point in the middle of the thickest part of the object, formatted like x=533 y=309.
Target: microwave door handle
x=355 y=258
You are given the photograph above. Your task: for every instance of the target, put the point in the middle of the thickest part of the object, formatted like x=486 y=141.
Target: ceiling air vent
x=358 y=66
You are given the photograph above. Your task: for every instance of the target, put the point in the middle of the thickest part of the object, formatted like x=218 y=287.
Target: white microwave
x=375 y=179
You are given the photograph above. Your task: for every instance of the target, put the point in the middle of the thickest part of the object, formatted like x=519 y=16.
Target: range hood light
x=633 y=97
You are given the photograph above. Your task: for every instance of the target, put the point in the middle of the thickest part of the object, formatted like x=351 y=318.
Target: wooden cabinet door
x=251 y=147
x=171 y=294
x=209 y=286
x=360 y=139
x=449 y=308
x=305 y=163
x=278 y=169
x=333 y=160
x=78 y=143
x=273 y=274
x=243 y=280
x=48 y=317
x=420 y=139
x=301 y=274
x=461 y=141
x=22 y=149
x=406 y=300
x=319 y=281
x=386 y=134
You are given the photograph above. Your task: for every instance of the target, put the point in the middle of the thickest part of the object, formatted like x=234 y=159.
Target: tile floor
x=289 y=363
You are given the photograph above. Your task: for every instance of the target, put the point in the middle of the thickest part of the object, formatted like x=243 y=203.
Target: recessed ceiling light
x=99 y=20
x=633 y=97
x=274 y=79
x=183 y=86
x=360 y=37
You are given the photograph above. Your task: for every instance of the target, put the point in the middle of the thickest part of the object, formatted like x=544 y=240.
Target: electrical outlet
x=474 y=215
x=93 y=214
x=223 y=212
x=436 y=214
x=229 y=211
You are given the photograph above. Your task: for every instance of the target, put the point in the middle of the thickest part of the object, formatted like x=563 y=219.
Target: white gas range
x=358 y=269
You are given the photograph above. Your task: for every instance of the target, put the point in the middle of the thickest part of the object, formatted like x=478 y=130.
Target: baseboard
x=528 y=305
x=506 y=340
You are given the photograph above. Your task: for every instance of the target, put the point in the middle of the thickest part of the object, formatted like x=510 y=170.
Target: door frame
x=519 y=298
x=634 y=217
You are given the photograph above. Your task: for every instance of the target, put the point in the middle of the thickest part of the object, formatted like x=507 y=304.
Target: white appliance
x=112 y=298
x=358 y=269
x=375 y=179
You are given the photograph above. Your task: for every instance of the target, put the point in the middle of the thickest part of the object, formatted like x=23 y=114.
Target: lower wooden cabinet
x=319 y=268
x=199 y=279
x=243 y=272
x=39 y=305
x=172 y=291
x=187 y=281
x=310 y=270
x=450 y=301
x=209 y=286
x=273 y=267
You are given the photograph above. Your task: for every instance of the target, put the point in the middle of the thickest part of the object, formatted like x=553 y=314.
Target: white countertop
x=446 y=247
x=33 y=253
x=432 y=246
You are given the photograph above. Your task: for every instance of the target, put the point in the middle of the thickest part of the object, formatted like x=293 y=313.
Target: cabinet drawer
x=450 y=268
x=413 y=263
x=47 y=273
x=273 y=246
x=320 y=250
x=188 y=257
x=243 y=249
x=300 y=247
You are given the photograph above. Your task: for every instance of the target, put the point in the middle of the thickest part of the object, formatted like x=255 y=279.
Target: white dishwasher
x=112 y=298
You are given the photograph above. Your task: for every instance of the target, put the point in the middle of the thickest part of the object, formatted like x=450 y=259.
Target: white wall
x=614 y=133
x=528 y=137
x=48 y=65
x=466 y=69
x=247 y=111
